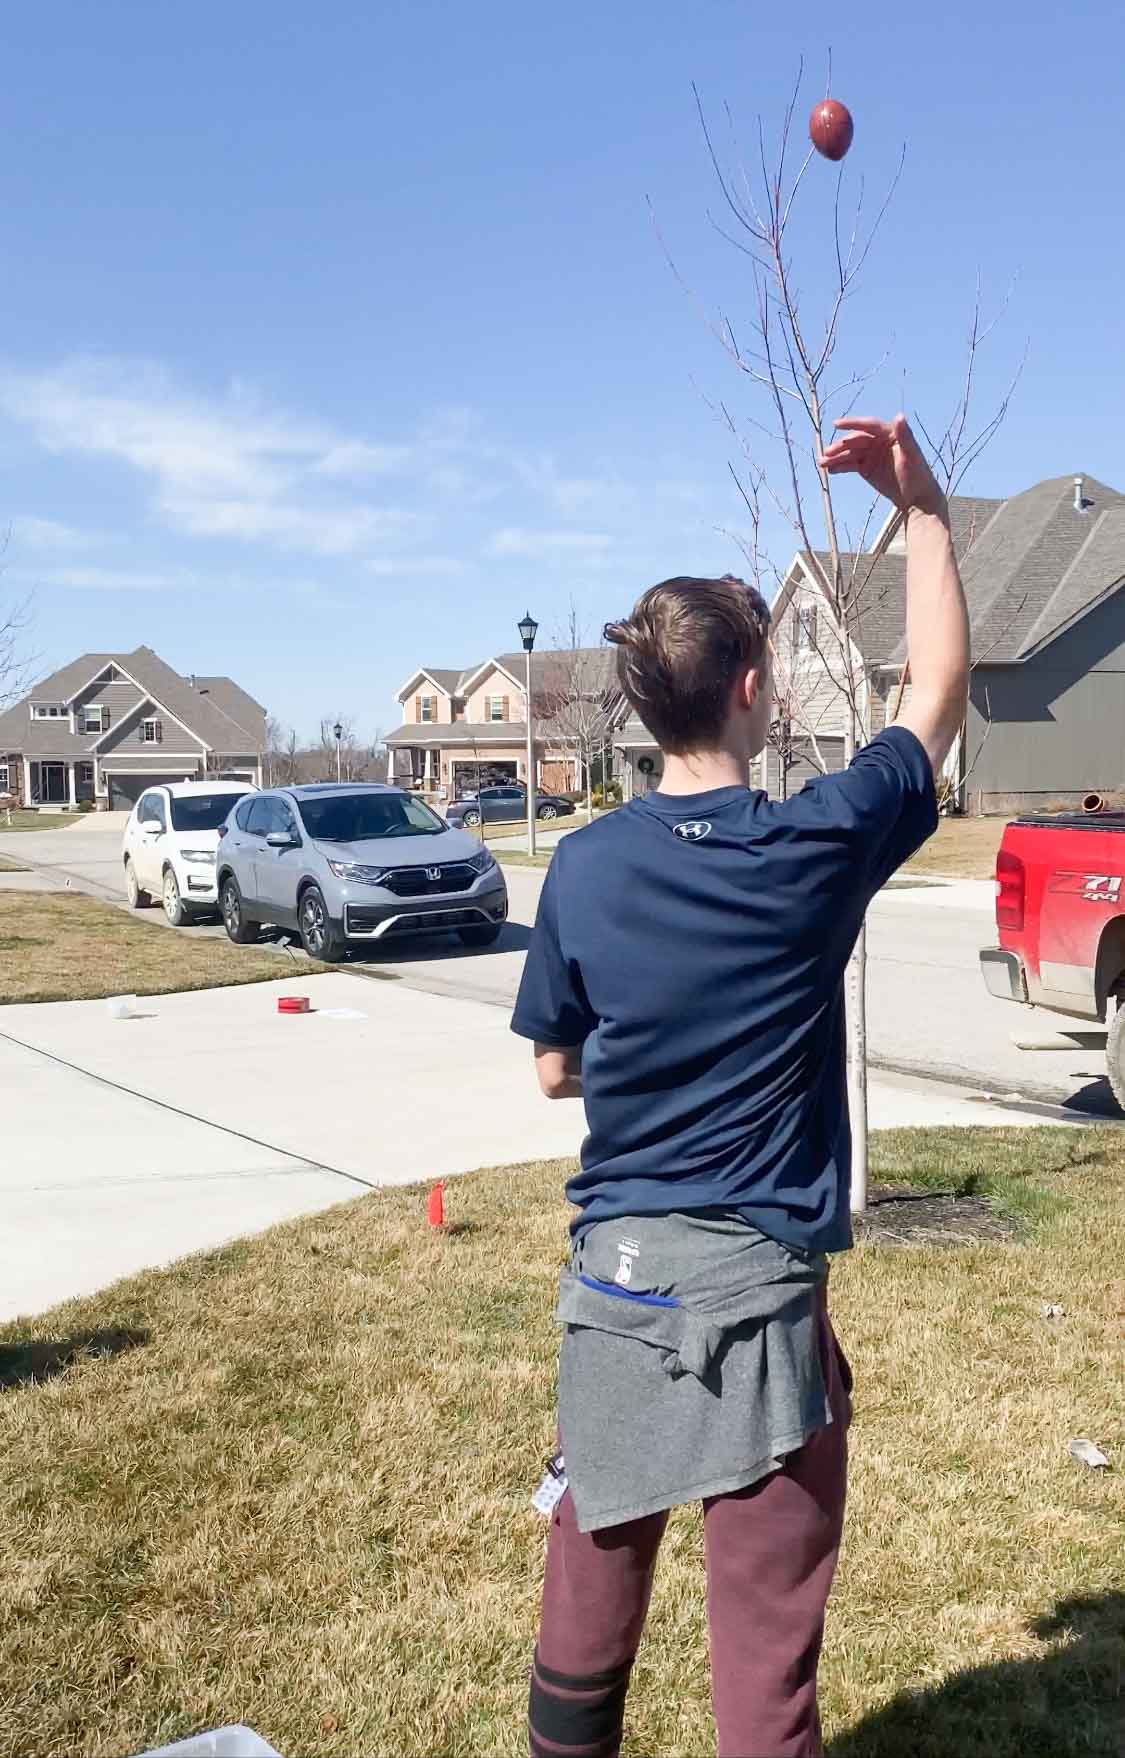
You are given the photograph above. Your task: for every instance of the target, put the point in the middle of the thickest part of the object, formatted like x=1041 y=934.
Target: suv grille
x=415 y=882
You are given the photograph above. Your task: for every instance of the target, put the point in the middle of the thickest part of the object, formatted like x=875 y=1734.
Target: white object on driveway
x=223 y=1742
x=121 y=1006
x=170 y=844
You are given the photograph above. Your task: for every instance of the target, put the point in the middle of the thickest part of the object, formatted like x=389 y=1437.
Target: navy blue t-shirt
x=695 y=947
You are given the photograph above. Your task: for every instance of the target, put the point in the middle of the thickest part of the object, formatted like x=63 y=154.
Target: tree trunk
x=855 y=997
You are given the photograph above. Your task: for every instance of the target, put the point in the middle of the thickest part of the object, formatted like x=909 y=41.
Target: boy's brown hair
x=680 y=652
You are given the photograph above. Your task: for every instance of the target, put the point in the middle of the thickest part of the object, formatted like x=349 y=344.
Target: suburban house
x=105 y=727
x=1044 y=575
x=461 y=729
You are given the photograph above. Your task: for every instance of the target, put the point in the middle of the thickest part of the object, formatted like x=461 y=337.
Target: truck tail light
x=1011 y=889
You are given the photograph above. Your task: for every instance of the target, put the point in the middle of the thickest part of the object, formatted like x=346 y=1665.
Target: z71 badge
x=1094 y=887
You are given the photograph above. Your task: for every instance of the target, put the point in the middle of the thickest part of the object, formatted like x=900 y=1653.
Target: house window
x=3 y=778
x=46 y=711
x=806 y=628
x=496 y=708
x=152 y=732
x=427 y=708
x=86 y=774
x=94 y=719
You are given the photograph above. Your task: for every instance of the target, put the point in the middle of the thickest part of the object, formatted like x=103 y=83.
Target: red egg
x=831 y=129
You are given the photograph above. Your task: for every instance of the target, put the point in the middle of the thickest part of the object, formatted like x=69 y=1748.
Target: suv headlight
x=204 y=856
x=482 y=862
x=360 y=874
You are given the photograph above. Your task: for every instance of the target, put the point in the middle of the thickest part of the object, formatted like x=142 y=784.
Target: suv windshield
x=202 y=811
x=363 y=817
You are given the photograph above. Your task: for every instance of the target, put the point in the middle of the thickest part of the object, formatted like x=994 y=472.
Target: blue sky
x=334 y=338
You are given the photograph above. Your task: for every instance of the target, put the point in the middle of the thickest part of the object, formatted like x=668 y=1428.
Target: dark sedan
x=506 y=805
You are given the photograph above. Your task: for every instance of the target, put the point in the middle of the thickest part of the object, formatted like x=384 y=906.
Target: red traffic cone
x=435 y=1208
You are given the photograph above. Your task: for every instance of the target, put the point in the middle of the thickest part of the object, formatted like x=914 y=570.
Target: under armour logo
x=692 y=831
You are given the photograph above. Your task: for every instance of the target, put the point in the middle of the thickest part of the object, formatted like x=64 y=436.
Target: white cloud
x=28 y=532
x=221 y=467
x=112 y=580
x=318 y=530
x=390 y=567
x=516 y=540
x=357 y=458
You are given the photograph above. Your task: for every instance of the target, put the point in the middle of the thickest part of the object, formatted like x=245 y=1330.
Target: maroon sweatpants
x=771 y=1554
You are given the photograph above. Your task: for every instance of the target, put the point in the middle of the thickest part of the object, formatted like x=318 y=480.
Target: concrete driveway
x=928 y=1011
x=87 y=852
x=128 y=1143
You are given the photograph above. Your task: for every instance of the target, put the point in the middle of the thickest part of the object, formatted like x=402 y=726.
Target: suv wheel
x=241 y=931
x=548 y=811
x=471 y=818
x=173 y=903
x=320 y=936
x=138 y=899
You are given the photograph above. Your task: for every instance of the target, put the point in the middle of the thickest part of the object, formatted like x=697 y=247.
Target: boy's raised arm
x=886 y=454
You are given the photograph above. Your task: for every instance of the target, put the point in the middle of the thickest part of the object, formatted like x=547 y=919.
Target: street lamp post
x=528 y=629
x=339 y=733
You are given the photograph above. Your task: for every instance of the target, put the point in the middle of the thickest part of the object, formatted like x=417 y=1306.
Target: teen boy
x=685 y=979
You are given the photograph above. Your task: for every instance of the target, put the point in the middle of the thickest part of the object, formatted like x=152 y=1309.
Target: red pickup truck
x=1060 y=913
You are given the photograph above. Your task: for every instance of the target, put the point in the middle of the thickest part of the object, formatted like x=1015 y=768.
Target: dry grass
x=21 y=820
x=963 y=848
x=302 y=1500
x=8 y=865
x=513 y=858
x=64 y=947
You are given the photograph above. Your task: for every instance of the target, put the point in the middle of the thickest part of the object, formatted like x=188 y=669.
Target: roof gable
x=1031 y=566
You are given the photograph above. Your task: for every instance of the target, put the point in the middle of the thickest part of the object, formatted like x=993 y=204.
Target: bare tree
x=16 y=664
x=351 y=751
x=577 y=698
x=789 y=357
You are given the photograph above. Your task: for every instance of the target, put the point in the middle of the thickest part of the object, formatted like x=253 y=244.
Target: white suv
x=170 y=844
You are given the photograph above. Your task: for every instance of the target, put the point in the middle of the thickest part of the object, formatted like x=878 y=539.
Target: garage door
x=126 y=790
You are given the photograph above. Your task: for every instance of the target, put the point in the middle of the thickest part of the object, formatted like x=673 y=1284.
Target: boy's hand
x=885 y=454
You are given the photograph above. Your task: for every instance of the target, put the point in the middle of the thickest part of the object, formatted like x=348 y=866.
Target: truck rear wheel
x=1115 y=1053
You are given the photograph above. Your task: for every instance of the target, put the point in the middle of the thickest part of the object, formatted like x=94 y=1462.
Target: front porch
x=452 y=770
x=59 y=784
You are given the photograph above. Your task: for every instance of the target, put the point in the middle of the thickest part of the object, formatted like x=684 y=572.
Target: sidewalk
x=129 y=1143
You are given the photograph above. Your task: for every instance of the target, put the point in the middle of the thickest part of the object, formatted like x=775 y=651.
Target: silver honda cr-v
x=351 y=863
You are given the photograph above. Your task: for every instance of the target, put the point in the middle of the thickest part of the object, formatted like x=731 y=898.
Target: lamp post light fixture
x=338 y=732
x=528 y=629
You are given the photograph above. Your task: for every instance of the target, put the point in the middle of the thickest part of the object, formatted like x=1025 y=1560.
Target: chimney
x=1079 y=494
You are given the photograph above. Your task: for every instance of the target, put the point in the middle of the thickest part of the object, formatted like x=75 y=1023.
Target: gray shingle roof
x=203 y=715
x=1031 y=565
x=548 y=668
x=236 y=704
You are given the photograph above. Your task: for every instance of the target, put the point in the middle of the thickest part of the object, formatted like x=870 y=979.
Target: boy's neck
x=700 y=772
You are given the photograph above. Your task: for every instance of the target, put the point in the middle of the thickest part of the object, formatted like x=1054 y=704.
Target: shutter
x=504 y=713
x=105 y=718
x=160 y=732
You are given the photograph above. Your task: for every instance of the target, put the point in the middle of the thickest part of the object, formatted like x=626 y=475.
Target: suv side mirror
x=282 y=839
x=152 y=827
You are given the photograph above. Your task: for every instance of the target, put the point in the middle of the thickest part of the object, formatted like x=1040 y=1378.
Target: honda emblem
x=433 y=874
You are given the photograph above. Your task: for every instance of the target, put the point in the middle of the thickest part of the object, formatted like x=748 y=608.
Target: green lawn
x=292 y=1488
x=20 y=820
x=60 y=946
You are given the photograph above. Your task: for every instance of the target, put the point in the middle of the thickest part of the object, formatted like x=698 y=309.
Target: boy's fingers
x=863 y=424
